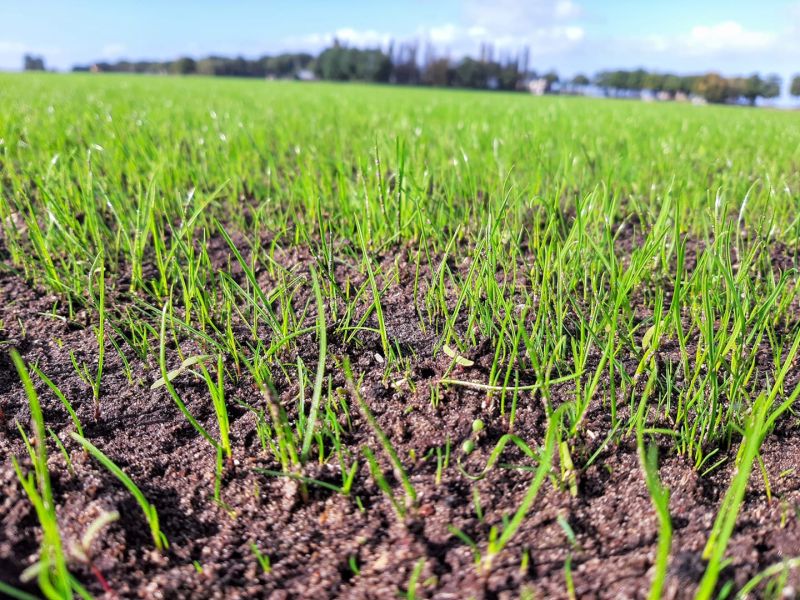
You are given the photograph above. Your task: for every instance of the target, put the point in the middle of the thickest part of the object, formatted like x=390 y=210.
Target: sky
x=572 y=36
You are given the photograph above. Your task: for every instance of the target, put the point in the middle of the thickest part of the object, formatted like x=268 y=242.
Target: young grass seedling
x=731 y=504
x=376 y=300
x=149 y=510
x=100 y=331
x=262 y=559
x=413 y=581
x=386 y=444
x=15 y=593
x=496 y=544
x=322 y=340
x=165 y=375
x=53 y=577
x=63 y=399
x=217 y=391
x=648 y=459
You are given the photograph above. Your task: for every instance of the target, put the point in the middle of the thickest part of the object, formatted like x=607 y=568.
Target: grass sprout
x=51 y=572
x=386 y=444
x=149 y=510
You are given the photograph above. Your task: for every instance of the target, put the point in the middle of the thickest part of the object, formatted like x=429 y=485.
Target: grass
x=320 y=377
x=165 y=377
x=659 y=495
x=385 y=443
x=51 y=571
x=595 y=259
x=149 y=510
x=721 y=532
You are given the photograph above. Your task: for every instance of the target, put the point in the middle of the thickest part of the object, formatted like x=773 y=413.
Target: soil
x=327 y=545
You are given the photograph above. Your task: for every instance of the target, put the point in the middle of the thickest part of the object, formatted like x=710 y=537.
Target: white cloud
x=361 y=38
x=477 y=31
x=566 y=9
x=444 y=34
x=547 y=27
x=519 y=17
x=727 y=37
x=459 y=40
x=455 y=40
x=557 y=32
x=368 y=37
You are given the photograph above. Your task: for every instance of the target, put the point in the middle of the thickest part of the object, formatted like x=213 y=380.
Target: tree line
x=281 y=66
x=400 y=64
x=711 y=86
x=409 y=64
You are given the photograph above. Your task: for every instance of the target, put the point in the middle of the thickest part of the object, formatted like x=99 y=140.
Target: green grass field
x=457 y=320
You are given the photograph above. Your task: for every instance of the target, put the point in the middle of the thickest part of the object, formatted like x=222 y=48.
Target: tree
x=637 y=80
x=772 y=87
x=713 y=87
x=340 y=63
x=508 y=76
x=438 y=72
x=603 y=81
x=580 y=81
x=687 y=83
x=285 y=65
x=371 y=65
x=471 y=73
x=753 y=88
x=207 y=66
x=183 y=66
x=671 y=84
x=33 y=63
x=333 y=63
x=551 y=77
x=654 y=82
x=405 y=67
x=794 y=88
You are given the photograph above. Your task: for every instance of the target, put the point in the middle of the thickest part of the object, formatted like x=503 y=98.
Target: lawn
x=357 y=341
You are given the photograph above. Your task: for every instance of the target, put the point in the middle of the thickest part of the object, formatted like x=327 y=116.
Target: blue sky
x=733 y=36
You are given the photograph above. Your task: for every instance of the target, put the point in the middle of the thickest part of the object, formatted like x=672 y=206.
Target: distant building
x=537 y=87
x=305 y=75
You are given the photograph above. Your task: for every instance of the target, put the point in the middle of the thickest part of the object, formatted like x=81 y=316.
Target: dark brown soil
x=327 y=546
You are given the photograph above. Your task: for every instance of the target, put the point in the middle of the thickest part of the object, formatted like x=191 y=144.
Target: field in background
x=351 y=340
